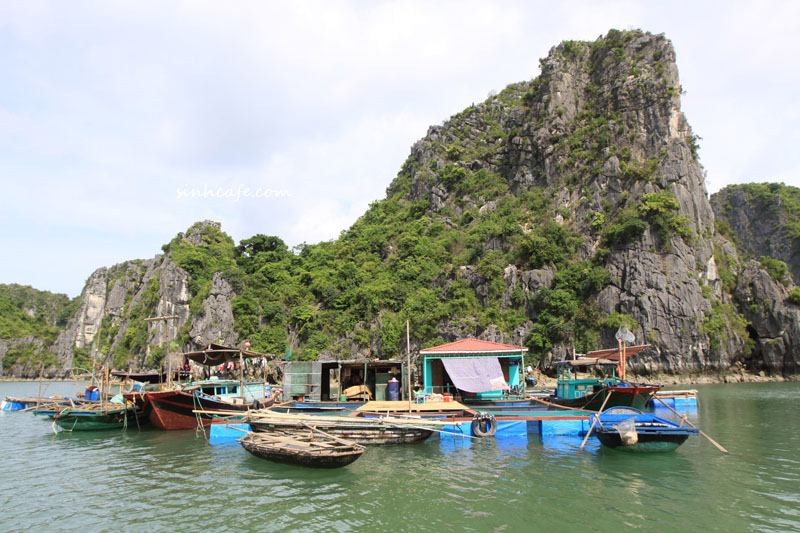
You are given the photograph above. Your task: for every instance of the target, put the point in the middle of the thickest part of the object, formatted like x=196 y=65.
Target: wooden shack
x=341 y=380
x=475 y=369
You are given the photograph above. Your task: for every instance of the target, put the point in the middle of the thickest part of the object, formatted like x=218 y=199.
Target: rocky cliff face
x=597 y=132
x=763 y=219
x=110 y=320
x=774 y=321
x=546 y=216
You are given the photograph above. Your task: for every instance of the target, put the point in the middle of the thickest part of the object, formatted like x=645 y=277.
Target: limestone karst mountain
x=548 y=215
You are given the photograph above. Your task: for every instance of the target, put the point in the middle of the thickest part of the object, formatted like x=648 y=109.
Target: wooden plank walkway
x=387 y=406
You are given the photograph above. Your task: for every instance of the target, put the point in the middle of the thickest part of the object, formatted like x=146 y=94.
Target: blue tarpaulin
x=475 y=374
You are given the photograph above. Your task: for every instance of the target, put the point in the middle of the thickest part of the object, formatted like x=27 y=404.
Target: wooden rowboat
x=626 y=428
x=313 y=449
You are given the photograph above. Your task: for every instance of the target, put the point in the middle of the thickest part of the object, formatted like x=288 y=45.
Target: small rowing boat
x=313 y=448
x=630 y=429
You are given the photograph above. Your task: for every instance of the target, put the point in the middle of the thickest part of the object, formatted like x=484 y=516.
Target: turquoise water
x=154 y=480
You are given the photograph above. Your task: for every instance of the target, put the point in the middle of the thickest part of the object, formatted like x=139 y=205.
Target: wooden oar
x=238 y=429
x=595 y=418
x=682 y=417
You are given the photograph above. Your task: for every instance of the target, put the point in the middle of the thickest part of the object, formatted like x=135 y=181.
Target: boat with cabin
x=195 y=404
x=175 y=409
x=591 y=382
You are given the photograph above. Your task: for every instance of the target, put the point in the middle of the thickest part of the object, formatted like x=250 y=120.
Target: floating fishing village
x=323 y=414
x=544 y=314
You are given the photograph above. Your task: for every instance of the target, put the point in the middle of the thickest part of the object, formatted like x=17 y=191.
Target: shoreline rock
x=545 y=382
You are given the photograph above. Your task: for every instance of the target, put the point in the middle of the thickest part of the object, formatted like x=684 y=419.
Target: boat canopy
x=216 y=354
x=475 y=374
x=143 y=377
x=614 y=354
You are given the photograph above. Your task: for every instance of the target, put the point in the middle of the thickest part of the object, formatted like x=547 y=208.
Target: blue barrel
x=393 y=390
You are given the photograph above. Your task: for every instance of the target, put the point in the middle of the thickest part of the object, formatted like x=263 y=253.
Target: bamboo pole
x=432 y=429
x=241 y=374
x=337 y=439
x=408 y=370
x=39 y=396
x=166 y=318
x=106 y=384
x=284 y=439
x=624 y=362
x=682 y=417
x=595 y=418
x=556 y=405
x=345 y=420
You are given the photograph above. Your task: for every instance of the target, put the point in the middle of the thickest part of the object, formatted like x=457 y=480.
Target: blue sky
x=118 y=118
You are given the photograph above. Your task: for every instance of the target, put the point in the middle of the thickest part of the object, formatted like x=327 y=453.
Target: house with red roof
x=474 y=369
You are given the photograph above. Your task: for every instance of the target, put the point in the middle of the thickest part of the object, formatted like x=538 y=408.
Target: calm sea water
x=152 y=480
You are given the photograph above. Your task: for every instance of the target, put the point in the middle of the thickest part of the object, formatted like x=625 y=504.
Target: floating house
x=474 y=369
x=332 y=381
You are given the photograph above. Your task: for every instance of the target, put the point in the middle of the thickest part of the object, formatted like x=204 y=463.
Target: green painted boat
x=86 y=418
x=597 y=392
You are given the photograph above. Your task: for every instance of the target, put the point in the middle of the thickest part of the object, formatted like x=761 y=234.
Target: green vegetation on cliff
x=539 y=216
x=25 y=311
x=441 y=250
x=31 y=320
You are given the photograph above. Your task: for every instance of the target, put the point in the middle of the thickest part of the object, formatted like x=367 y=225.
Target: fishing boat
x=200 y=403
x=102 y=415
x=630 y=429
x=358 y=429
x=312 y=449
x=197 y=404
x=592 y=383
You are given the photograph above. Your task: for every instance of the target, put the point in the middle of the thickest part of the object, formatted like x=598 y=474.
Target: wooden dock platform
x=401 y=406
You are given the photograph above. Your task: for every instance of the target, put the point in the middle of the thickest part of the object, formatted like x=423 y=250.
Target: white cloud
x=108 y=109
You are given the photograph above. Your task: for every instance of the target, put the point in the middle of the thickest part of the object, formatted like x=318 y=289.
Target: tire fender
x=484 y=425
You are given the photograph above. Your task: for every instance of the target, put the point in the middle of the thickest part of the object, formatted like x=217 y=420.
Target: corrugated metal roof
x=472 y=346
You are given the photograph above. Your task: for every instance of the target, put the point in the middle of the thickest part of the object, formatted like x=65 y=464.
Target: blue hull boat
x=630 y=429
